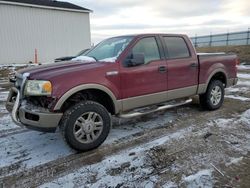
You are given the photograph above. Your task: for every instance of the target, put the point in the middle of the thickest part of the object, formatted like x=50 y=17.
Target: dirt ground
x=181 y=147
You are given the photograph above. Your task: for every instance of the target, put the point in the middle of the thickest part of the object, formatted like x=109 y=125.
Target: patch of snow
x=244 y=83
x=169 y=185
x=223 y=123
x=245 y=76
x=234 y=161
x=32 y=148
x=237 y=97
x=202 y=179
x=237 y=89
x=121 y=131
x=243 y=67
x=3 y=66
x=84 y=59
x=110 y=59
x=3 y=110
x=4 y=95
x=108 y=172
x=6 y=123
x=245 y=118
x=103 y=171
x=176 y=135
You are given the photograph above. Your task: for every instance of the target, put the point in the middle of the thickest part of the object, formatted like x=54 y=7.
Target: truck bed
x=210 y=62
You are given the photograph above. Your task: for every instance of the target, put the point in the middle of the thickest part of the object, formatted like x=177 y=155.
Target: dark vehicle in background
x=68 y=58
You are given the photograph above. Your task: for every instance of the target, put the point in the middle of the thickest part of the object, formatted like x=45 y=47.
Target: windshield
x=109 y=49
x=82 y=52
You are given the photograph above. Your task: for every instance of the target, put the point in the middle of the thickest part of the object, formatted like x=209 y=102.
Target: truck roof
x=150 y=34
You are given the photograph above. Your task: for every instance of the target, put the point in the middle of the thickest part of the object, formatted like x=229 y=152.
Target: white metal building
x=54 y=28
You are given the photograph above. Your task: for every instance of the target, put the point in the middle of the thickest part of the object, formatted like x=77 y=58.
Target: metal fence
x=225 y=39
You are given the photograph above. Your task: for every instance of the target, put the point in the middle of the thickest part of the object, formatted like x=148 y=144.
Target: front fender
x=65 y=96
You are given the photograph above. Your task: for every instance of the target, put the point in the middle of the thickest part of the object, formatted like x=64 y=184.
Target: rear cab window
x=176 y=47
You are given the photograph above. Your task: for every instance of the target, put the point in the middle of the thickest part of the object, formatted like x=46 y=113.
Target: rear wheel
x=86 y=125
x=214 y=96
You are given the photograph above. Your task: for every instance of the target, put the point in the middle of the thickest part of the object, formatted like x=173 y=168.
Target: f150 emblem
x=112 y=73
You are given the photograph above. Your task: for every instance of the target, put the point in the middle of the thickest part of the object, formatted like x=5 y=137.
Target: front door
x=144 y=84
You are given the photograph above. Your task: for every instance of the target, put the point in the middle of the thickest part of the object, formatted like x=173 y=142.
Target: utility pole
x=195 y=40
x=248 y=35
x=210 y=42
x=227 y=37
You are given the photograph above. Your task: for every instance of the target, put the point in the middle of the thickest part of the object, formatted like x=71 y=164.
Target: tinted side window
x=147 y=46
x=177 y=47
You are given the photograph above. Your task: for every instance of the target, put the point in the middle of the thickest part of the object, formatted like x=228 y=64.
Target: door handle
x=162 y=69
x=194 y=65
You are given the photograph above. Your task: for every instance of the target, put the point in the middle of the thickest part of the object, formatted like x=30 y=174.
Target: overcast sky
x=118 y=17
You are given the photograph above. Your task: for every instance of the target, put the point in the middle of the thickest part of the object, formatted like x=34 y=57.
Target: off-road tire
x=73 y=113
x=205 y=99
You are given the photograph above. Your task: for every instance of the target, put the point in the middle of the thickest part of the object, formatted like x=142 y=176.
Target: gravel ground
x=181 y=147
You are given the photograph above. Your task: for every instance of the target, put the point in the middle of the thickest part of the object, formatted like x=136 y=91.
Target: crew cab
x=124 y=76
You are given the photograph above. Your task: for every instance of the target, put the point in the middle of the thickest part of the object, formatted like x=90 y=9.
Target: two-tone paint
x=131 y=87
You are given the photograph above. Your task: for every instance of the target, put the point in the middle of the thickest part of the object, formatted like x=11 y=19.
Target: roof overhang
x=44 y=7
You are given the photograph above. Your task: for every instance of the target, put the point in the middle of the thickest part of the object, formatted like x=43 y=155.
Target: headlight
x=37 y=88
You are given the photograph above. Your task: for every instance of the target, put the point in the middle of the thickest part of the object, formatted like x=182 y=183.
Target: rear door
x=182 y=66
x=144 y=84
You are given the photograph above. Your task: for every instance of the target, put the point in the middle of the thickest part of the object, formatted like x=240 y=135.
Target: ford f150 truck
x=124 y=76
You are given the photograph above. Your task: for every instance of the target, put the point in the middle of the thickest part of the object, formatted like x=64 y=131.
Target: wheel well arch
x=217 y=74
x=221 y=76
x=92 y=92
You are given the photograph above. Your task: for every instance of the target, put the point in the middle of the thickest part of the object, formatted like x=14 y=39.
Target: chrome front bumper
x=38 y=120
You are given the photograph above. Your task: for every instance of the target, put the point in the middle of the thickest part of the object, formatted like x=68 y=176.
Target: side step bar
x=168 y=106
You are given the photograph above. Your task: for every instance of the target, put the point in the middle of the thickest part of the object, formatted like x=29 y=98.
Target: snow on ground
x=243 y=67
x=202 y=179
x=103 y=173
x=244 y=83
x=245 y=118
x=234 y=161
x=236 y=89
x=3 y=96
x=237 y=97
x=245 y=76
x=221 y=122
x=119 y=131
x=7 y=66
x=3 y=110
x=129 y=167
x=32 y=148
x=6 y=123
x=169 y=185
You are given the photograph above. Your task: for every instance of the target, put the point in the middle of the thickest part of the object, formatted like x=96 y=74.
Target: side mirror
x=136 y=59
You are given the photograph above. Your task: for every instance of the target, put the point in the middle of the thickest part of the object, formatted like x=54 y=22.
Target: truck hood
x=49 y=71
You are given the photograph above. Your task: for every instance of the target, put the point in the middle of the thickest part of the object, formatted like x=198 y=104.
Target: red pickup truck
x=124 y=76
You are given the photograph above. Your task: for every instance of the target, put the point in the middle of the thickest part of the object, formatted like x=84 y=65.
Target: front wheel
x=86 y=125
x=214 y=96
